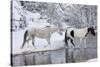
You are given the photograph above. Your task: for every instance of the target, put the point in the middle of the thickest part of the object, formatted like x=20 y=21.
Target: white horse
x=45 y=33
x=82 y=33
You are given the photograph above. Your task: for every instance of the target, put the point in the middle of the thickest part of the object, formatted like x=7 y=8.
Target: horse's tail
x=24 y=40
x=66 y=38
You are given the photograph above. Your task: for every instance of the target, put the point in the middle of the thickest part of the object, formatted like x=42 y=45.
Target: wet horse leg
x=33 y=40
x=23 y=44
x=72 y=42
x=79 y=45
x=85 y=45
x=84 y=42
x=48 y=40
x=25 y=38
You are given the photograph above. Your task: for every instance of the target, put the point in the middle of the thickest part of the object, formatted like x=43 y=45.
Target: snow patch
x=92 y=60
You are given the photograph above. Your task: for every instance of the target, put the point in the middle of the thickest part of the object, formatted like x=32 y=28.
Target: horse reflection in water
x=44 y=32
x=82 y=33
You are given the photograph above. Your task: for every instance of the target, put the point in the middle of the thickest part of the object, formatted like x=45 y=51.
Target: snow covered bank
x=92 y=60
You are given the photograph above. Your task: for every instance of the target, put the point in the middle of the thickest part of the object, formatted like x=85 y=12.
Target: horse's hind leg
x=23 y=44
x=25 y=36
x=25 y=41
x=72 y=42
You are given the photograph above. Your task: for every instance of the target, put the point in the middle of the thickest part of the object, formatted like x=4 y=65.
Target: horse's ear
x=92 y=28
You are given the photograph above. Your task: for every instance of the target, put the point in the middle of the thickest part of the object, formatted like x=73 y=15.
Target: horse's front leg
x=33 y=41
x=85 y=45
x=79 y=45
x=48 y=40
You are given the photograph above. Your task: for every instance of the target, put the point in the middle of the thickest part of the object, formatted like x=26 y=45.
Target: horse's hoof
x=66 y=47
x=21 y=47
x=34 y=48
x=77 y=46
x=45 y=46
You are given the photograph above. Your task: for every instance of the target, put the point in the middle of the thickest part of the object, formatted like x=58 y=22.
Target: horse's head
x=59 y=31
x=91 y=30
x=55 y=29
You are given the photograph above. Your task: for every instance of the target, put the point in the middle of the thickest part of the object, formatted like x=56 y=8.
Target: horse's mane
x=47 y=26
x=77 y=28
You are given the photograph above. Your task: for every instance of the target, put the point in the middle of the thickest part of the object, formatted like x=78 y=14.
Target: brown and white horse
x=44 y=32
x=82 y=33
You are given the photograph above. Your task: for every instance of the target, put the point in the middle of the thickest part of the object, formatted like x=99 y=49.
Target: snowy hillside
x=78 y=16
